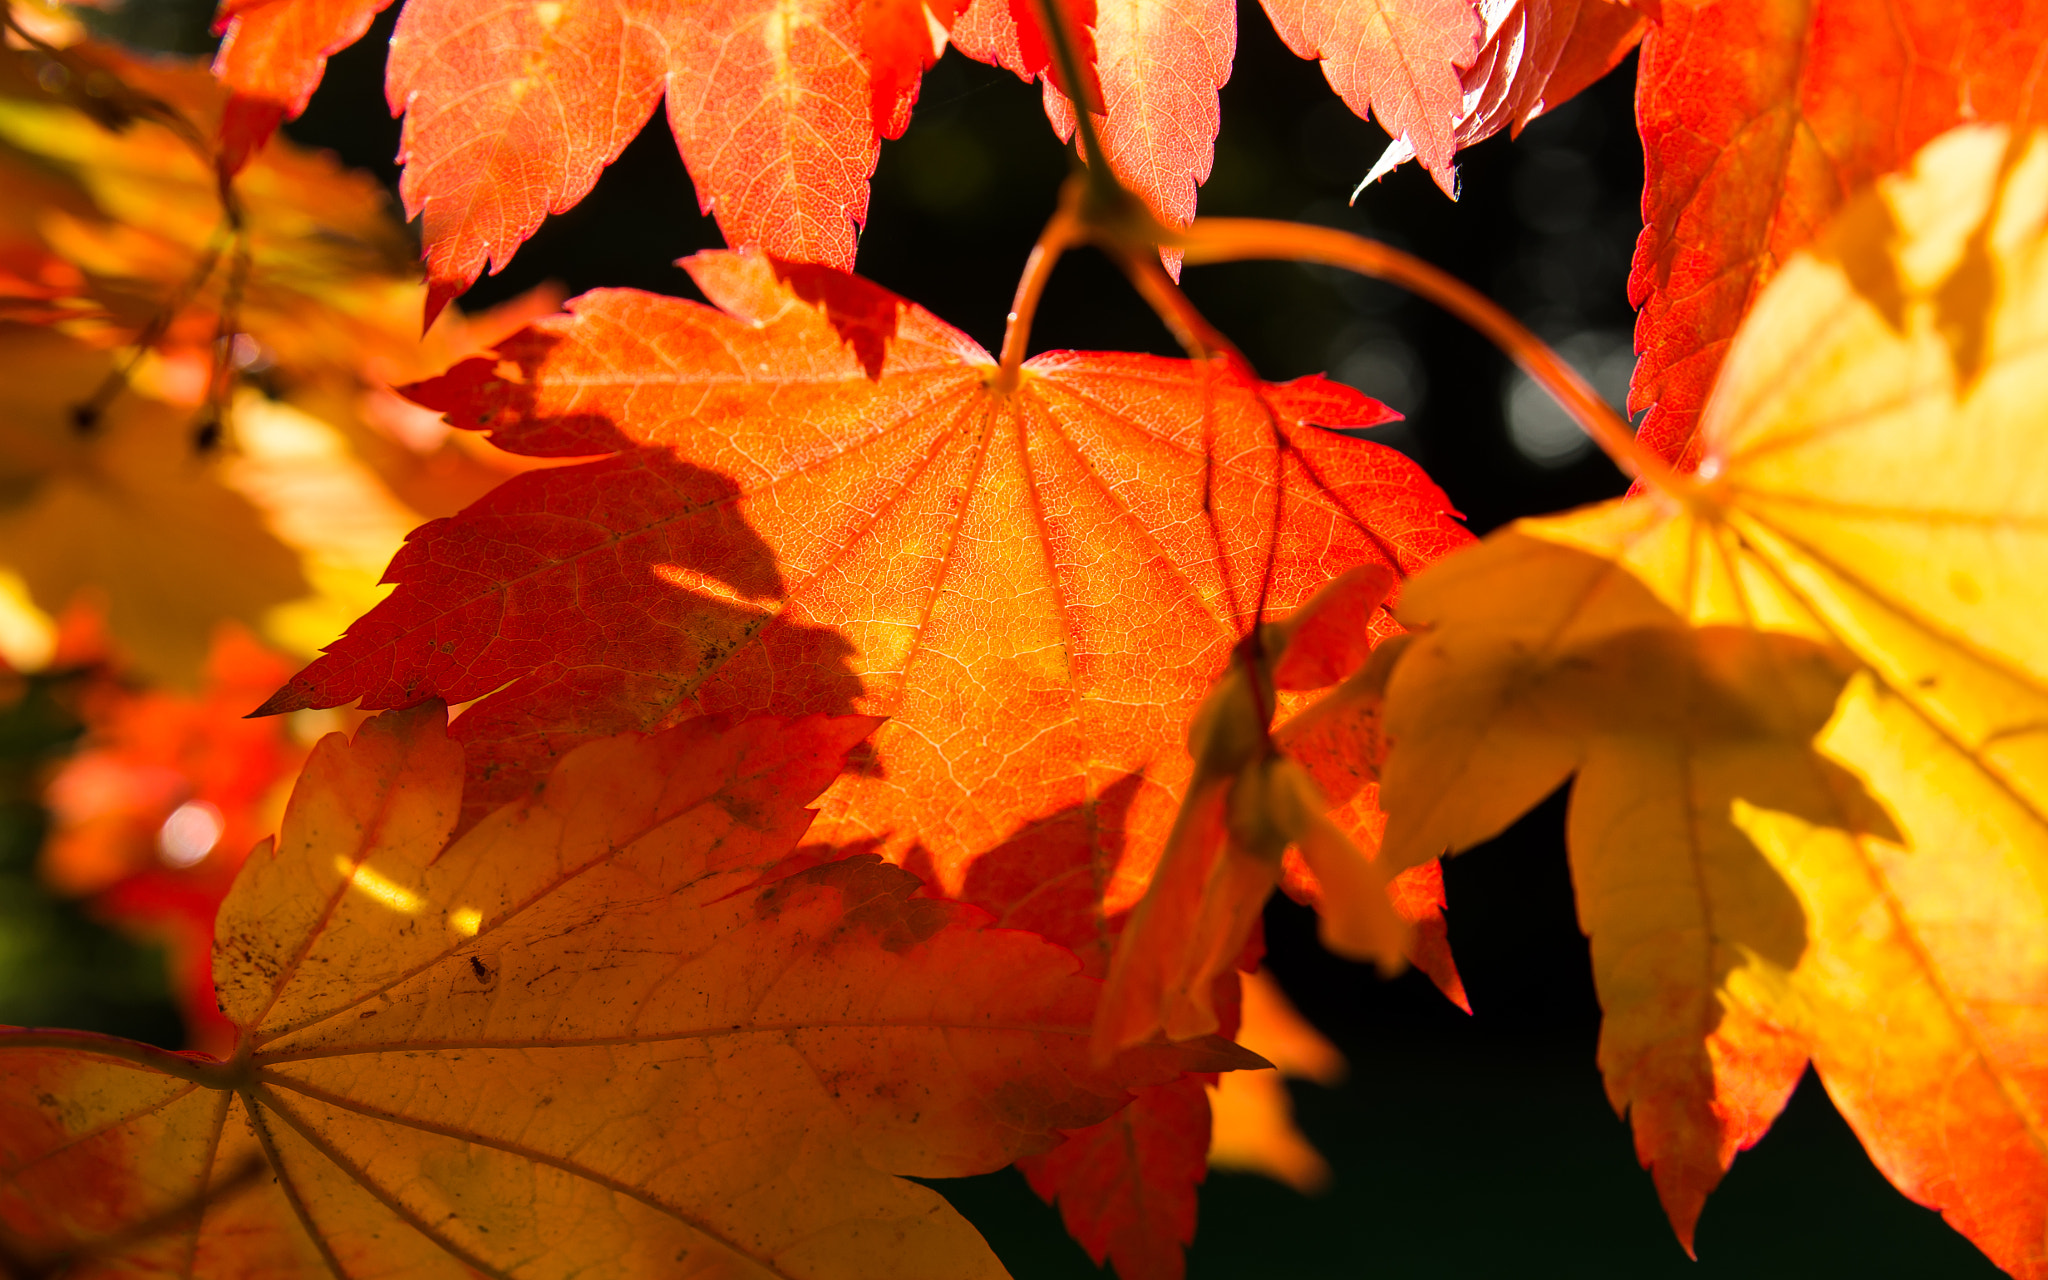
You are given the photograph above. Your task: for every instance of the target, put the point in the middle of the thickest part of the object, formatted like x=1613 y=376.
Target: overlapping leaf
x=1850 y=601
x=779 y=109
x=512 y=111
x=591 y=1032
x=815 y=501
x=273 y=54
x=1534 y=55
x=1759 y=118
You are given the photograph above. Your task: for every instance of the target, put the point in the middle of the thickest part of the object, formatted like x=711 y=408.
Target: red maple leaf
x=273 y=54
x=1759 y=118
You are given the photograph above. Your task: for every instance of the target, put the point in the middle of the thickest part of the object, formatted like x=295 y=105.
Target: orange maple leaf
x=618 y=996
x=815 y=501
x=1759 y=118
x=1398 y=60
x=272 y=55
x=1535 y=54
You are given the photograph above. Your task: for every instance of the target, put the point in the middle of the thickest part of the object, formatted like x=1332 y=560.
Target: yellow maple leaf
x=1806 y=699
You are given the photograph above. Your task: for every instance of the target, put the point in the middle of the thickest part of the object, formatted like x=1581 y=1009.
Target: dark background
x=1471 y=1146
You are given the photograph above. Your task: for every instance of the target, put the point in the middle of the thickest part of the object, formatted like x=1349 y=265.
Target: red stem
x=1234 y=239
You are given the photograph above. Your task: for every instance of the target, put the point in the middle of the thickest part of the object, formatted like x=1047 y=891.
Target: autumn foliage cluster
x=713 y=762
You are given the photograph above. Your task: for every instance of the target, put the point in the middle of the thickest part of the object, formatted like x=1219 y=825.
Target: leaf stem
x=1060 y=234
x=1211 y=240
x=209 y=1072
x=1067 y=57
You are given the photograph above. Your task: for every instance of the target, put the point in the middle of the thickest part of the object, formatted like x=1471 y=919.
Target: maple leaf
x=272 y=55
x=1533 y=56
x=1805 y=698
x=1399 y=60
x=618 y=995
x=817 y=503
x=512 y=111
x=1759 y=118
x=791 y=522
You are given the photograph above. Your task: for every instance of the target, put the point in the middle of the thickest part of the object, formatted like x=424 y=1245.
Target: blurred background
x=1470 y=1146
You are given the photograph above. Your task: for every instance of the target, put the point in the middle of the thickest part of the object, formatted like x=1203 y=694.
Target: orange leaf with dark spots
x=610 y=997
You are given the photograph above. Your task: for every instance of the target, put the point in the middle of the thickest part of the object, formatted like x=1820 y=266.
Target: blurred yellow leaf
x=127 y=510
x=114 y=238
x=1806 y=698
x=1252 y=1127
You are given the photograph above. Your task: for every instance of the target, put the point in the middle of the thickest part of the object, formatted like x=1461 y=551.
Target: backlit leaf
x=1807 y=702
x=815 y=502
x=592 y=1034
x=272 y=54
x=1535 y=55
x=1759 y=118
x=512 y=111
x=1398 y=60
